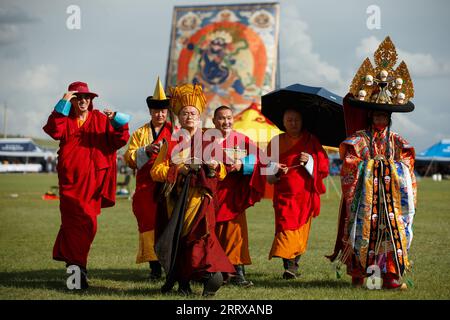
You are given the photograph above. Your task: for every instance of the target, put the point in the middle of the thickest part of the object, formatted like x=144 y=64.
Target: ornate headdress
x=187 y=95
x=383 y=87
x=159 y=99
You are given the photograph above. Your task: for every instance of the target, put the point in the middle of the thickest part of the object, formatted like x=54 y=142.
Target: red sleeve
x=321 y=166
x=56 y=126
x=117 y=137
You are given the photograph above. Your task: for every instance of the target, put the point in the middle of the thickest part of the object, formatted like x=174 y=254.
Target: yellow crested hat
x=187 y=95
x=159 y=99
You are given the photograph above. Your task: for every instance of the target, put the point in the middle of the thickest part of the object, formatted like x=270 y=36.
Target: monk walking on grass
x=242 y=188
x=141 y=154
x=298 y=183
x=86 y=170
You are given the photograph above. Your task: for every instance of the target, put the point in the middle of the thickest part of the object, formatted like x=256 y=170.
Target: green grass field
x=28 y=227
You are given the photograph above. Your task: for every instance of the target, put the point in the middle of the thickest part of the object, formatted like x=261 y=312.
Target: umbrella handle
x=296 y=166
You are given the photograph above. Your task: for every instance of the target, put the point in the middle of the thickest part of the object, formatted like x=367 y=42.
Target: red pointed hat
x=81 y=87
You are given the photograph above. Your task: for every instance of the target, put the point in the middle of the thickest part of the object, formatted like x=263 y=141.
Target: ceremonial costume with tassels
x=147 y=196
x=188 y=247
x=377 y=176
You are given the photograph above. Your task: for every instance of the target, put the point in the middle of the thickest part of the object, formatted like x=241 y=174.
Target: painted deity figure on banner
x=231 y=51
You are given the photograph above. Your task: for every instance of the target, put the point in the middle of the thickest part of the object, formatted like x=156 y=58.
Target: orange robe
x=238 y=191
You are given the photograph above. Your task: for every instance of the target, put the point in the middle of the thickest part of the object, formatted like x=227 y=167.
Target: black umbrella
x=321 y=109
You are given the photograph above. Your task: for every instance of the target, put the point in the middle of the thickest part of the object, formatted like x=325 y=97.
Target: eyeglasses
x=186 y=114
x=82 y=96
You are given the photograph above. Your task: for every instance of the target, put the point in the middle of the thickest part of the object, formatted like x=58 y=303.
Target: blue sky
x=122 y=47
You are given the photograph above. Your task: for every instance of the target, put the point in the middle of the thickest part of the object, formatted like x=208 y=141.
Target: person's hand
x=69 y=95
x=236 y=167
x=213 y=164
x=183 y=169
x=109 y=113
x=304 y=157
x=282 y=168
x=153 y=148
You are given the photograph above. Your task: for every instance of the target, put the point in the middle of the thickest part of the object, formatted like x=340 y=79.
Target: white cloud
x=39 y=78
x=367 y=47
x=298 y=61
x=12 y=18
x=12 y=14
x=420 y=132
x=8 y=34
x=403 y=124
x=30 y=96
x=419 y=64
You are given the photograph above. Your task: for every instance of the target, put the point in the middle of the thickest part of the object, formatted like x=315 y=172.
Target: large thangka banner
x=230 y=49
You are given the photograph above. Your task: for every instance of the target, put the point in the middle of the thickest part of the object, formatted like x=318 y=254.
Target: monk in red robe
x=141 y=154
x=86 y=169
x=301 y=166
x=242 y=187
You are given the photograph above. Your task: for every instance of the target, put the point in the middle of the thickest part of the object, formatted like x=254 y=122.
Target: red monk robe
x=237 y=192
x=296 y=197
x=199 y=250
x=87 y=178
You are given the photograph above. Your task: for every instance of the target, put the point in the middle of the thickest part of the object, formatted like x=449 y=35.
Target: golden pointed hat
x=159 y=99
x=382 y=87
x=187 y=95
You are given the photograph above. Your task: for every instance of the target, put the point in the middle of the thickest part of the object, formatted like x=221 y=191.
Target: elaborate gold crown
x=187 y=95
x=383 y=84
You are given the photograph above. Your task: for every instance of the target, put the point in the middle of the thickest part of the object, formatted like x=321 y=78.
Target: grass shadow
x=305 y=284
x=55 y=280
x=269 y=280
x=131 y=283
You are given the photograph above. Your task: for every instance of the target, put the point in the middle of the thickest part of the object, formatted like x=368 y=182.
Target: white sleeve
x=309 y=166
x=271 y=168
x=141 y=157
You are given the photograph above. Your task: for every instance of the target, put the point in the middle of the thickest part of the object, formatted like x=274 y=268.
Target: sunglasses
x=82 y=96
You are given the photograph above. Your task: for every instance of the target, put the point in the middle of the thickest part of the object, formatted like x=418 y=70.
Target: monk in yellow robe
x=141 y=154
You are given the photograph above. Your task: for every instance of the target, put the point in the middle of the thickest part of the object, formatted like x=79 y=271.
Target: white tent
x=22 y=155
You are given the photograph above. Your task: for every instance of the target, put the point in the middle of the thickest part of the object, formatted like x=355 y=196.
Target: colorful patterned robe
x=378 y=204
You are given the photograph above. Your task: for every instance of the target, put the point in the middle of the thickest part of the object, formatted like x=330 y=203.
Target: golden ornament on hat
x=187 y=95
x=383 y=84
